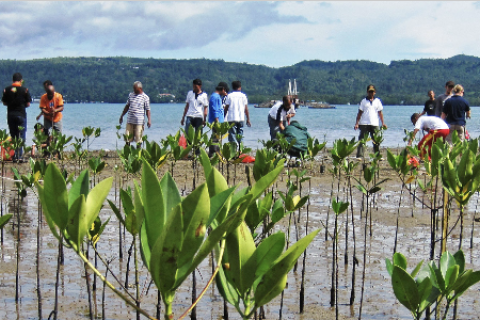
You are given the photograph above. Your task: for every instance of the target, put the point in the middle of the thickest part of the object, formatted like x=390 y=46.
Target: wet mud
x=379 y=300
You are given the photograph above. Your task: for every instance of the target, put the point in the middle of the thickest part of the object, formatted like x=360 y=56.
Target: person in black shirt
x=429 y=105
x=17 y=98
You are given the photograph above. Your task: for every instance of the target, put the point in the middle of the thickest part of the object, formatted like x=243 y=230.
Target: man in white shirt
x=436 y=128
x=278 y=116
x=236 y=108
x=369 y=111
x=196 y=107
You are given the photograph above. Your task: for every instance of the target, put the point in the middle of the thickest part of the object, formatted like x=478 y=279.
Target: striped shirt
x=139 y=104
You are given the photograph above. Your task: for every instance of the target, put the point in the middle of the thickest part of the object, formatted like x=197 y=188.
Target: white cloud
x=271 y=33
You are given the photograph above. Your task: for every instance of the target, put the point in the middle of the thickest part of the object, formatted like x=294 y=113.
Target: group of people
x=222 y=106
x=440 y=117
x=17 y=98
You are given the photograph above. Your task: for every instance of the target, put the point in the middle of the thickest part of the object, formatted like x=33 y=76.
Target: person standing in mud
x=138 y=103
x=196 y=107
x=236 y=108
x=455 y=110
x=440 y=101
x=369 y=111
x=51 y=106
x=215 y=114
x=17 y=99
x=429 y=108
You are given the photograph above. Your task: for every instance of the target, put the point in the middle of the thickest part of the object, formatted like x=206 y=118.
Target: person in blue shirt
x=455 y=110
x=216 y=114
x=215 y=107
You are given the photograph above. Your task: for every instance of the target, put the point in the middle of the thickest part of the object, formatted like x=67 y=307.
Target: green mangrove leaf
x=405 y=289
x=138 y=204
x=465 y=281
x=266 y=181
x=216 y=182
x=166 y=251
x=195 y=211
x=55 y=196
x=267 y=252
x=219 y=206
x=144 y=247
x=153 y=201
x=275 y=279
x=79 y=186
x=48 y=217
x=241 y=247
x=460 y=260
x=77 y=225
x=451 y=276
x=417 y=269
x=446 y=262
x=4 y=220
x=231 y=223
x=228 y=291
x=389 y=266
x=400 y=260
x=116 y=211
x=95 y=199
x=170 y=193
x=205 y=162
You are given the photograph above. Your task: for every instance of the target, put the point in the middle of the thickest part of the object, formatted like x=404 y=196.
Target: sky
x=270 y=33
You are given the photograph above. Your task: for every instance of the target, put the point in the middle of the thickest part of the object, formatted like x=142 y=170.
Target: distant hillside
x=110 y=79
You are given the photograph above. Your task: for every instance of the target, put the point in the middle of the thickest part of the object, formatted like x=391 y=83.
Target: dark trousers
x=196 y=123
x=14 y=122
x=365 y=130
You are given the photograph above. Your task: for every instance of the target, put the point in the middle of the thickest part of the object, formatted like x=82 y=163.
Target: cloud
x=139 y=25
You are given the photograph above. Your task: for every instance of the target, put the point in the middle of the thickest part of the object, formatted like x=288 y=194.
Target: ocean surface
x=326 y=125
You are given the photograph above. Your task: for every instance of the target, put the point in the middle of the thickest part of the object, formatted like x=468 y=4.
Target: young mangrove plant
x=251 y=276
x=425 y=286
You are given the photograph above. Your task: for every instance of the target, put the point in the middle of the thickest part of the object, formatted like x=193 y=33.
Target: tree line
x=110 y=79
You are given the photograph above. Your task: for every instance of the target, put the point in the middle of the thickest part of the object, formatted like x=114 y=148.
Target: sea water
x=323 y=124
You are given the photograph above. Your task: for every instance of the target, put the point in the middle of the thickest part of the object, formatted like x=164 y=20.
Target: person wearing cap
x=215 y=114
x=196 y=107
x=138 y=103
x=455 y=110
x=440 y=100
x=17 y=99
x=436 y=128
x=369 y=111
x=236 y=108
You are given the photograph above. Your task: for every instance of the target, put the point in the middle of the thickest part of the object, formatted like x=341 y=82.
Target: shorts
x=136 y=130
x=57 y=126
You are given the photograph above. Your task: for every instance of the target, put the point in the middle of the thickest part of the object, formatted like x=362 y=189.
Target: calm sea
x=328 y=124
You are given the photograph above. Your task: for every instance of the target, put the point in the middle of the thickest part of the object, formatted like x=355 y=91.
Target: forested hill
x=110 y=79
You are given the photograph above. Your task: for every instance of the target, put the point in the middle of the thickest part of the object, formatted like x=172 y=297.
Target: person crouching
x=436 y=128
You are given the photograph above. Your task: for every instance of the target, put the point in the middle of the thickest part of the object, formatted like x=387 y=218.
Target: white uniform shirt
x=236 y=102
x=430 y=123
x=370 y=111
x=196 y=105
x=280 y=114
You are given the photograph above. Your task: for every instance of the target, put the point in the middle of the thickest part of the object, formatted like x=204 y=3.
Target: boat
x=293 y=92
x=319 y=105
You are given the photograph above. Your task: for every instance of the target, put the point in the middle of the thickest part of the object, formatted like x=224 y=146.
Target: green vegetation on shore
x=109 y=79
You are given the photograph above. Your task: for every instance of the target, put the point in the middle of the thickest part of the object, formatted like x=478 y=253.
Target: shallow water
x=379 y=300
